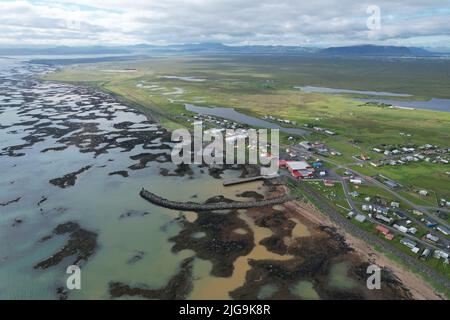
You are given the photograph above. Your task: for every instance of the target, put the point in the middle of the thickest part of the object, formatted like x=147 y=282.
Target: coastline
x=419 y=288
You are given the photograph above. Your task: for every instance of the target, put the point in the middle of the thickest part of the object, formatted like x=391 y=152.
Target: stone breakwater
x=193 y=206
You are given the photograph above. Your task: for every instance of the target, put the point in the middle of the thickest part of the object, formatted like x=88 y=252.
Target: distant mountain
x=219 y=48
x=61 y=50
x=373 y=50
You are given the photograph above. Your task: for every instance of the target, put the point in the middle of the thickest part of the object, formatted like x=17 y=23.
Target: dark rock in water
x=250 y=171
x=3 y=204
x=181 y=218
x=122 y=173
x=220 y=244
x=137 y=257
x=133 y=213
x=145 y=158
x=66 y=228
x=61 y=148
x=68 y=179
x=81 y=243
x=216 y=172
x=17 y=221
x=62 y=293
x=390 y=283
x=43 y=199
x=45 y=238
x=219 y=199
x=275 y=244
x=123 y=125
x=181 y=170
x=178 y=287
x=251 y=194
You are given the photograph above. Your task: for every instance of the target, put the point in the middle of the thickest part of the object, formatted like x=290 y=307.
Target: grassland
x=263 y=85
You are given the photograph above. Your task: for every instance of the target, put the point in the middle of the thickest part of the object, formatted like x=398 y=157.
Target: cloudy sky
x=236 y=22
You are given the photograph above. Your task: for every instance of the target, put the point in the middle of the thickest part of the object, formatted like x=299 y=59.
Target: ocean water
x=92 y=130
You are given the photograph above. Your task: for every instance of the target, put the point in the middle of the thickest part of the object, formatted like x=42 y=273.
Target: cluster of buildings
x=426 y=253
x=406 y=154
x=397 y=219
x=283 y=121
x=318 y=147
x=214 y=121
x=320 y=129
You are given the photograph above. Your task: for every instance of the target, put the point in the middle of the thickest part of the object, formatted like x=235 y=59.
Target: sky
x=322 y=23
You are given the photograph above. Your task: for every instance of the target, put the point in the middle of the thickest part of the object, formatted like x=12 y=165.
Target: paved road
x=423 y=209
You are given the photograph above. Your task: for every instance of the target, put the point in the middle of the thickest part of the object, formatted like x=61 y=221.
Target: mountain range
x=218 y=48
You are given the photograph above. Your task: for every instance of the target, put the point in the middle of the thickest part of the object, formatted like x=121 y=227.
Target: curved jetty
x=193 y=206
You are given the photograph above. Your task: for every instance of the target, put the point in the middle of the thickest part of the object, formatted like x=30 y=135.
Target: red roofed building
x=300 y=169
x=389 y=236
x=382 y=229
x=385 y=231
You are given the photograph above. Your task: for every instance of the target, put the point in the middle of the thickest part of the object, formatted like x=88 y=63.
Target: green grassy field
x=263 y=85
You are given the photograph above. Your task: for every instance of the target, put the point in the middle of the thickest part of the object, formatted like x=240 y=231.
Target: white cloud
x=231 y=21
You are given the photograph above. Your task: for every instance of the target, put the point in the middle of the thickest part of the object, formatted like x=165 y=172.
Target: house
x=423 y=192
x=317 y=164
x=400 y=228
x=425 y=254
x=408 y=242
x=443 y=229
x=360 y=218
x=366 y=207
x=382 y=229
x=382 y=210
x=328 y=183
x=354 y=194
x=395 y=204
x=412 y=230
x=306 y=145
x=400 y=214
x=356 y=181
x=417 y=212
x=430 y=223
x=385 y=231
x=383 y=218
x=391 y=184
x=322 y=173
x=377 y=150
x=440 y=254
x=389 y=236
x=431 y=237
